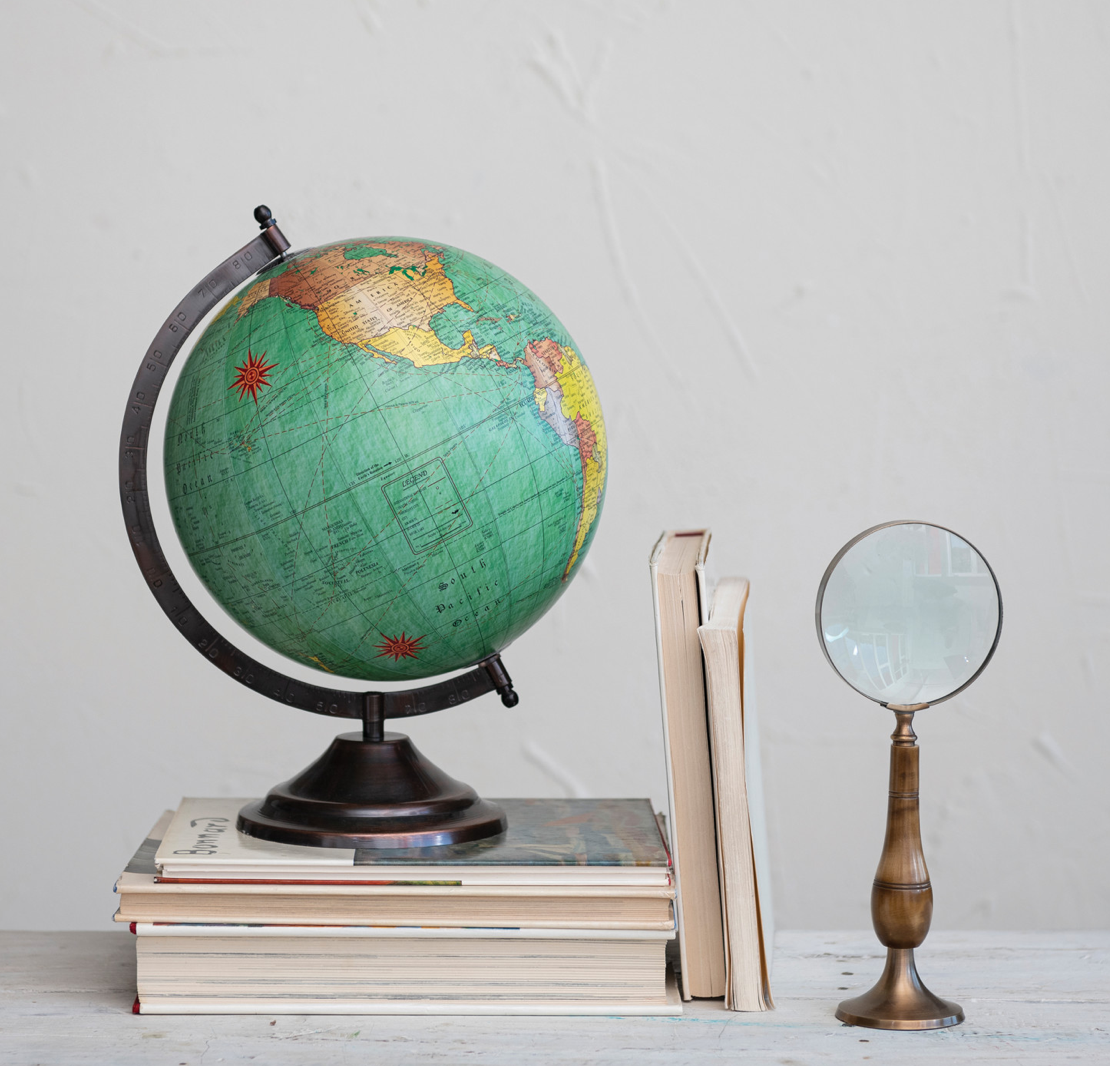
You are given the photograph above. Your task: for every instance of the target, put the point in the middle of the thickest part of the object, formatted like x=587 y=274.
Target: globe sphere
x=385 y=458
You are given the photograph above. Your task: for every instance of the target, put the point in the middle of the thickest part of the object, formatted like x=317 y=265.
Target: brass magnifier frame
x=902 y=894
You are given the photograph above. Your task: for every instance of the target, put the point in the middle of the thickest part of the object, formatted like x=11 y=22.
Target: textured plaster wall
x=830 y=264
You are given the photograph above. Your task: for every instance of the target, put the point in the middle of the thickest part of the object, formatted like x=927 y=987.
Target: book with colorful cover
x=144 y=897
x=548 y=841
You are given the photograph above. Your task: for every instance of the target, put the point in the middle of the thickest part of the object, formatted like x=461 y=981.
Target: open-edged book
x=738 y=796
x=717 y=824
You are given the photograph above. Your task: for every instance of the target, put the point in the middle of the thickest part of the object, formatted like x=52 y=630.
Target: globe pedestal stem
x=372 y=793
x=373 y=717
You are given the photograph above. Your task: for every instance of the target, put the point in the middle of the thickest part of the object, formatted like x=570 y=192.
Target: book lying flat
x=248 y=969
x=458 y=1007
x=677 y=568
x=143 y=898
x=548 y=842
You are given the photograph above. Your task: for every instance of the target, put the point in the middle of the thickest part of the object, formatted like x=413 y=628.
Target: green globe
x=385 y=458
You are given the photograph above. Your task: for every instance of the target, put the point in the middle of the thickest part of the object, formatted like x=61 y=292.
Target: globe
x=385 y=458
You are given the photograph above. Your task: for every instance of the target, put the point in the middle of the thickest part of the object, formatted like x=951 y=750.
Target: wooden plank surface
x=1030 y=998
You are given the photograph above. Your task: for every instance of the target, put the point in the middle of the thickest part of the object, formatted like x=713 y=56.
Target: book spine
x=683 y=965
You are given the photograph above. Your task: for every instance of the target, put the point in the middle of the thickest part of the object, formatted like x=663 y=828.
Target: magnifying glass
x=908 y=614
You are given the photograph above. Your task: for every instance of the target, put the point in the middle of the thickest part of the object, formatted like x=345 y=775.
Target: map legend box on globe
x=428 y=507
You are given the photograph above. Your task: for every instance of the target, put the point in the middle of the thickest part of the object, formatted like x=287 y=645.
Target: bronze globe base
x=899 y=1000
x=372 y=794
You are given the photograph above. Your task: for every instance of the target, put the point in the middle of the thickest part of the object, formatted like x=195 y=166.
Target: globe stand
x=372 y=794
x=368 y=790
x=374 y=790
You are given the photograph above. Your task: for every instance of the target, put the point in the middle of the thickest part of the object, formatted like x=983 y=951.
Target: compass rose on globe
x=251 y=376
x=385 y=458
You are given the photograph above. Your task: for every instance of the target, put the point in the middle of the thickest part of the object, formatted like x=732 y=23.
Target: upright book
x=739 y=816
x=679 y=593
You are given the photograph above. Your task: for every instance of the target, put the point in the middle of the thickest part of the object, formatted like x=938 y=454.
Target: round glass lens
x=909 y=613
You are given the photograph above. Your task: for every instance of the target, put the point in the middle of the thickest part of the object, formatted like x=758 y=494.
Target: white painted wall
x=830 y=264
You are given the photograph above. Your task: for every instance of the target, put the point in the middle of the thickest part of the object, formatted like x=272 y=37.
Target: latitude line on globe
x=311 y=546
x=449 y=548
x=500 y=540
x=406 y=589
x=432 y=622
x=537 y=495
x=382 y=607
x=507 y=405
x=329 y=344
x=303 y=631
x=329 y=350
x=325 y=374
x=350 y=488
x=405 y=586
x=305 y=403
x=301 y=532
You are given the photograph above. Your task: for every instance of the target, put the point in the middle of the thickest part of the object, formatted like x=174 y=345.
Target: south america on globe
x=385 y=458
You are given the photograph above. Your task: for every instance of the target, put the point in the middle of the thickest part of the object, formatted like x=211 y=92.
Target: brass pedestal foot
x=899 y=1000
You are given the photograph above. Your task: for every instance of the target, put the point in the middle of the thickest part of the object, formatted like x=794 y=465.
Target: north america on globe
x=385 y=458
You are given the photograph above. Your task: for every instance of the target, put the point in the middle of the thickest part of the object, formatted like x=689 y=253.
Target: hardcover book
x=678 y=584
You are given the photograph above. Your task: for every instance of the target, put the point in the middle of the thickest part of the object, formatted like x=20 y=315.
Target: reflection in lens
x=909 y=614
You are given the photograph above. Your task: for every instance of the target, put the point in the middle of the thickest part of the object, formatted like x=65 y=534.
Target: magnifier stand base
x=899 y=1000
x=372 y=794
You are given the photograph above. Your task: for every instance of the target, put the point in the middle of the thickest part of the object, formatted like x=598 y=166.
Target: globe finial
x=264 y=217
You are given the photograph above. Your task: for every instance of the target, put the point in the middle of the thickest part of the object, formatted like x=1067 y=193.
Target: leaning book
x=738 y=797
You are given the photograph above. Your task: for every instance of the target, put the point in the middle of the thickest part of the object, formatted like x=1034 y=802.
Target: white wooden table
x=1030 y=998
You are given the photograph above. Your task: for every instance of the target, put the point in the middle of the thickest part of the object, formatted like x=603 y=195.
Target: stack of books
x=718 y=834
x=568 y=912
